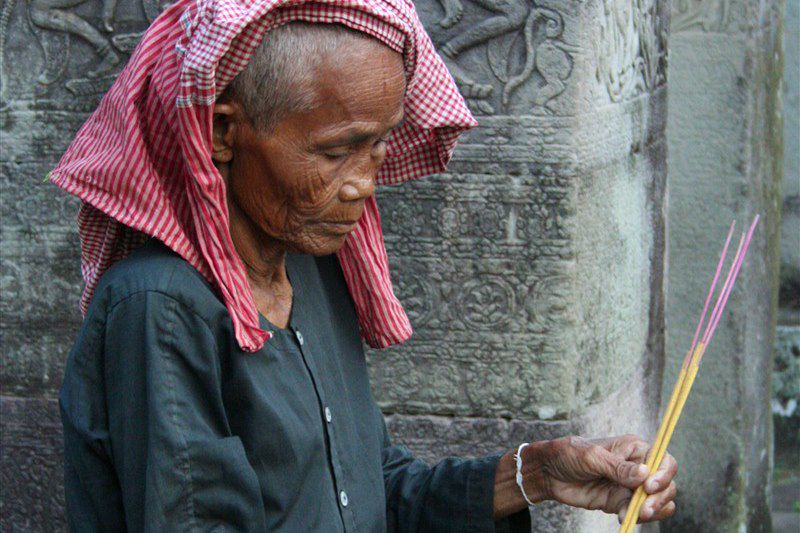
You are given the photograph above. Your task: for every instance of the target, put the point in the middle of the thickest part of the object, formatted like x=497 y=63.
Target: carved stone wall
x=724 y=136
x=532 y=270
x=57 y=58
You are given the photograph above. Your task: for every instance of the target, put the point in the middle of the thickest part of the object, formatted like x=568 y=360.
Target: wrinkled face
x=304 y=184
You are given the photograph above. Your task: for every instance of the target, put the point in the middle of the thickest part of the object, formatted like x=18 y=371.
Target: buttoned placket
x=345 y=505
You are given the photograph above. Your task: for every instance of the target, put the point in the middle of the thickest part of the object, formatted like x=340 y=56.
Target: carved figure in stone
x=552 y=61
x=631 y=51
x=453 y=9
x=5 y=19
x=55 y=15
x=485 y=302
x=549 y=57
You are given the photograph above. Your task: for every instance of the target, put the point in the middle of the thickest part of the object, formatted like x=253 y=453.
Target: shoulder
x=156 y=270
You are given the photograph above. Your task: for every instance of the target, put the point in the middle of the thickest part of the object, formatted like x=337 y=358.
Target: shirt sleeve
x=179 y=467
x=453 y=495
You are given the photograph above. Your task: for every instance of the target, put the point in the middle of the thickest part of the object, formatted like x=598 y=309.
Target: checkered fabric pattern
x=142 y=166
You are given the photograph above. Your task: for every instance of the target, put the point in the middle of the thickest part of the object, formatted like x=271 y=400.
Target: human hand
x=599 y=474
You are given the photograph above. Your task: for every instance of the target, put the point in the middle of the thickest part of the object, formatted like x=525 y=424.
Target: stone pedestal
x=724 y=134
x=532 y=270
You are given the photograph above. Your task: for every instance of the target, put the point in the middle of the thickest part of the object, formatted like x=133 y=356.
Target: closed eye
x=338 y=154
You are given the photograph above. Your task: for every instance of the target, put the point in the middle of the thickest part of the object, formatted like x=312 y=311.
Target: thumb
x=616 y=468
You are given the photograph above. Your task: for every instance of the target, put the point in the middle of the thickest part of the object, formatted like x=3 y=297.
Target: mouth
x=339 y=227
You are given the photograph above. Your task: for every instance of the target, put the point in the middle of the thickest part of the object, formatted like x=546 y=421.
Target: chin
x=329 y=245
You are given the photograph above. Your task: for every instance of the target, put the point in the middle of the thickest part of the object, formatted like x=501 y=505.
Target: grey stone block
x=724 y=160
x=31 y=466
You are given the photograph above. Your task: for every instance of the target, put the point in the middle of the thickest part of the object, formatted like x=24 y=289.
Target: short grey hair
x=275 y=80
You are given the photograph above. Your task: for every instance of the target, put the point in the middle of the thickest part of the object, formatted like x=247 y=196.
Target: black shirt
x=169 y=426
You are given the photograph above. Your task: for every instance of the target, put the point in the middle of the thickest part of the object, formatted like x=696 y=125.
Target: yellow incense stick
x=662 y=429
x=673 y=412
x=687 y=387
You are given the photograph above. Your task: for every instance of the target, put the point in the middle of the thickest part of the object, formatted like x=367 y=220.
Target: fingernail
x=642 y=470
x=621 y=515
x=653 y=483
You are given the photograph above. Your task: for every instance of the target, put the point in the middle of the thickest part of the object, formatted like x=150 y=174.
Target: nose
x=355 y=189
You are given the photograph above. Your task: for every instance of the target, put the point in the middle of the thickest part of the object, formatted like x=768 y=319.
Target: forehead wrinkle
x=363 y=126
x=350 y=120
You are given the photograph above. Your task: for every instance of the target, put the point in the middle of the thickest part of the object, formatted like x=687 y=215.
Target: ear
x=226 y=115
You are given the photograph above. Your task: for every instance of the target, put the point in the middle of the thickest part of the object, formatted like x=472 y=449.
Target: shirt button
x=299 y=337
x=343 y=498
x=328 y=415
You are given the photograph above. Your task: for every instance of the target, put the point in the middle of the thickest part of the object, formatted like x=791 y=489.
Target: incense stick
x=684 y=385
x=750 y=232
x=690 y=367
x=710 y=294
x=639 y=495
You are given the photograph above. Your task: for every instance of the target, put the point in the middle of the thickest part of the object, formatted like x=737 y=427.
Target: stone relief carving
x=487 y=302
x=708 y=15
x=55 y=23
x=477 y=254
x=632 y=48
x=55 y=15
x=523 y=43
x=126 y=42
x=5 y=20
x=546 y=57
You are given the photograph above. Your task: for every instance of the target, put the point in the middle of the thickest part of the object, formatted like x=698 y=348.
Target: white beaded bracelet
x=518 y=459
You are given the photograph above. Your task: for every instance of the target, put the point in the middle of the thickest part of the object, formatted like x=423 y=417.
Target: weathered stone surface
x=786 y=378
x=31 y=474
x=45 y=95
x=724 y=160
x=534 y=256
x=790 y=221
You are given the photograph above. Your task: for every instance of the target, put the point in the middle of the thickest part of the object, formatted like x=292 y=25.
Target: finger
x=617 y=500
x=614 y=467
x=665 y=512
x=663 y=476
x=630 y=446
x=656 y=502
x=623 y=511
x=637 y=451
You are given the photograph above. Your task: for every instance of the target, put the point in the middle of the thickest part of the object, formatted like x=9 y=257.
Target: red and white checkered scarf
x=141 y=164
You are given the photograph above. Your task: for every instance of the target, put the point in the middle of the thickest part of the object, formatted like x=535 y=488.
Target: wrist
x=508 y=497
x=534 y=471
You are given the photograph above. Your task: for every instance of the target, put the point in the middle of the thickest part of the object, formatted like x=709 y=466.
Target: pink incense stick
x=725 y=287
x=688 y=357
x=738 y=266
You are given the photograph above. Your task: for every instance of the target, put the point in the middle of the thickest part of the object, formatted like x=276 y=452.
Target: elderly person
x=219 y=381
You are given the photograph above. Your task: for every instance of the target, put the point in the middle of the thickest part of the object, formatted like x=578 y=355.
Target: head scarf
x=141 y=164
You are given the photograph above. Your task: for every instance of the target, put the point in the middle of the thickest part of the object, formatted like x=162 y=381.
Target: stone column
x=724 y=136
x=532 y=270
